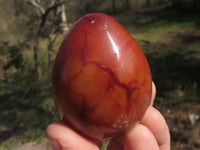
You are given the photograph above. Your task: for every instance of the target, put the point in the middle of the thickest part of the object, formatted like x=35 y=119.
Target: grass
x=11 y=28
x=26 y=110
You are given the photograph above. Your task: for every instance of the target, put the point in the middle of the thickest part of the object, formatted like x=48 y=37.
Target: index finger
x=62 y=137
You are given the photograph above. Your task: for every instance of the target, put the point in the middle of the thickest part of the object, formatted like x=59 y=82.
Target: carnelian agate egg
x=101 y=78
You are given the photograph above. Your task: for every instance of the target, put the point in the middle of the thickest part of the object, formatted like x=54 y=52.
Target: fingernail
x=54 y=144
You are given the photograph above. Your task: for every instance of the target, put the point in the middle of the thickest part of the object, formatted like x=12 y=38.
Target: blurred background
x=31 y=31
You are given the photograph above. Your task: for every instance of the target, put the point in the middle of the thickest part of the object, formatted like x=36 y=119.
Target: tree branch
x=43 y=18
x=35 y=4
x=57 y=4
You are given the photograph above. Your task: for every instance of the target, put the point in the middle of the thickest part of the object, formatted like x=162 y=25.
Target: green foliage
x=14 y=57
x=26 y=102
x=11 y=58
x=26 y=107
x=105 y=145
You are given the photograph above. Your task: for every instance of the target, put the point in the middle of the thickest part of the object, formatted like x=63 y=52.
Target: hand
x=151 y=133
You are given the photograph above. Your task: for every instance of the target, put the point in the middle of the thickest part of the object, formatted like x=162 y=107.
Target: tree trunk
x=44 y=13
x=148 y=3
x=64 y=26
x=49 y=52
x=52 y=38
x=113 y=6
x=35 y=56
x=194 y=5
x=127 y=5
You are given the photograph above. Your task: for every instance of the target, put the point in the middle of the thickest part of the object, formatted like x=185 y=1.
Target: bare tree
x=114 y=6
x=195 y=4
x=43 y=13
x=148 y=3
x=127 y=4
x=91 y=5
x=63 y=18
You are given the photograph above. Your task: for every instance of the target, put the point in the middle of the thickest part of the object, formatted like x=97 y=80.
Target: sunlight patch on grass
x=166 y=30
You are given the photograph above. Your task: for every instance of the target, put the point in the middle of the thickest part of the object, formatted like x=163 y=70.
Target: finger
x=156 y=123
x=62 y=137
x=153 y=94
x=140 y=138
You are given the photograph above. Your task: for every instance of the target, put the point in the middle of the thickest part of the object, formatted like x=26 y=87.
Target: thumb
x=62 y=137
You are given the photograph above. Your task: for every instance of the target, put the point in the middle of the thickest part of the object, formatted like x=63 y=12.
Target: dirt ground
x=32 y=146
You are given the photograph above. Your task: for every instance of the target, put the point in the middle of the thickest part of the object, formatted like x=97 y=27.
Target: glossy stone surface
x=101 y=78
